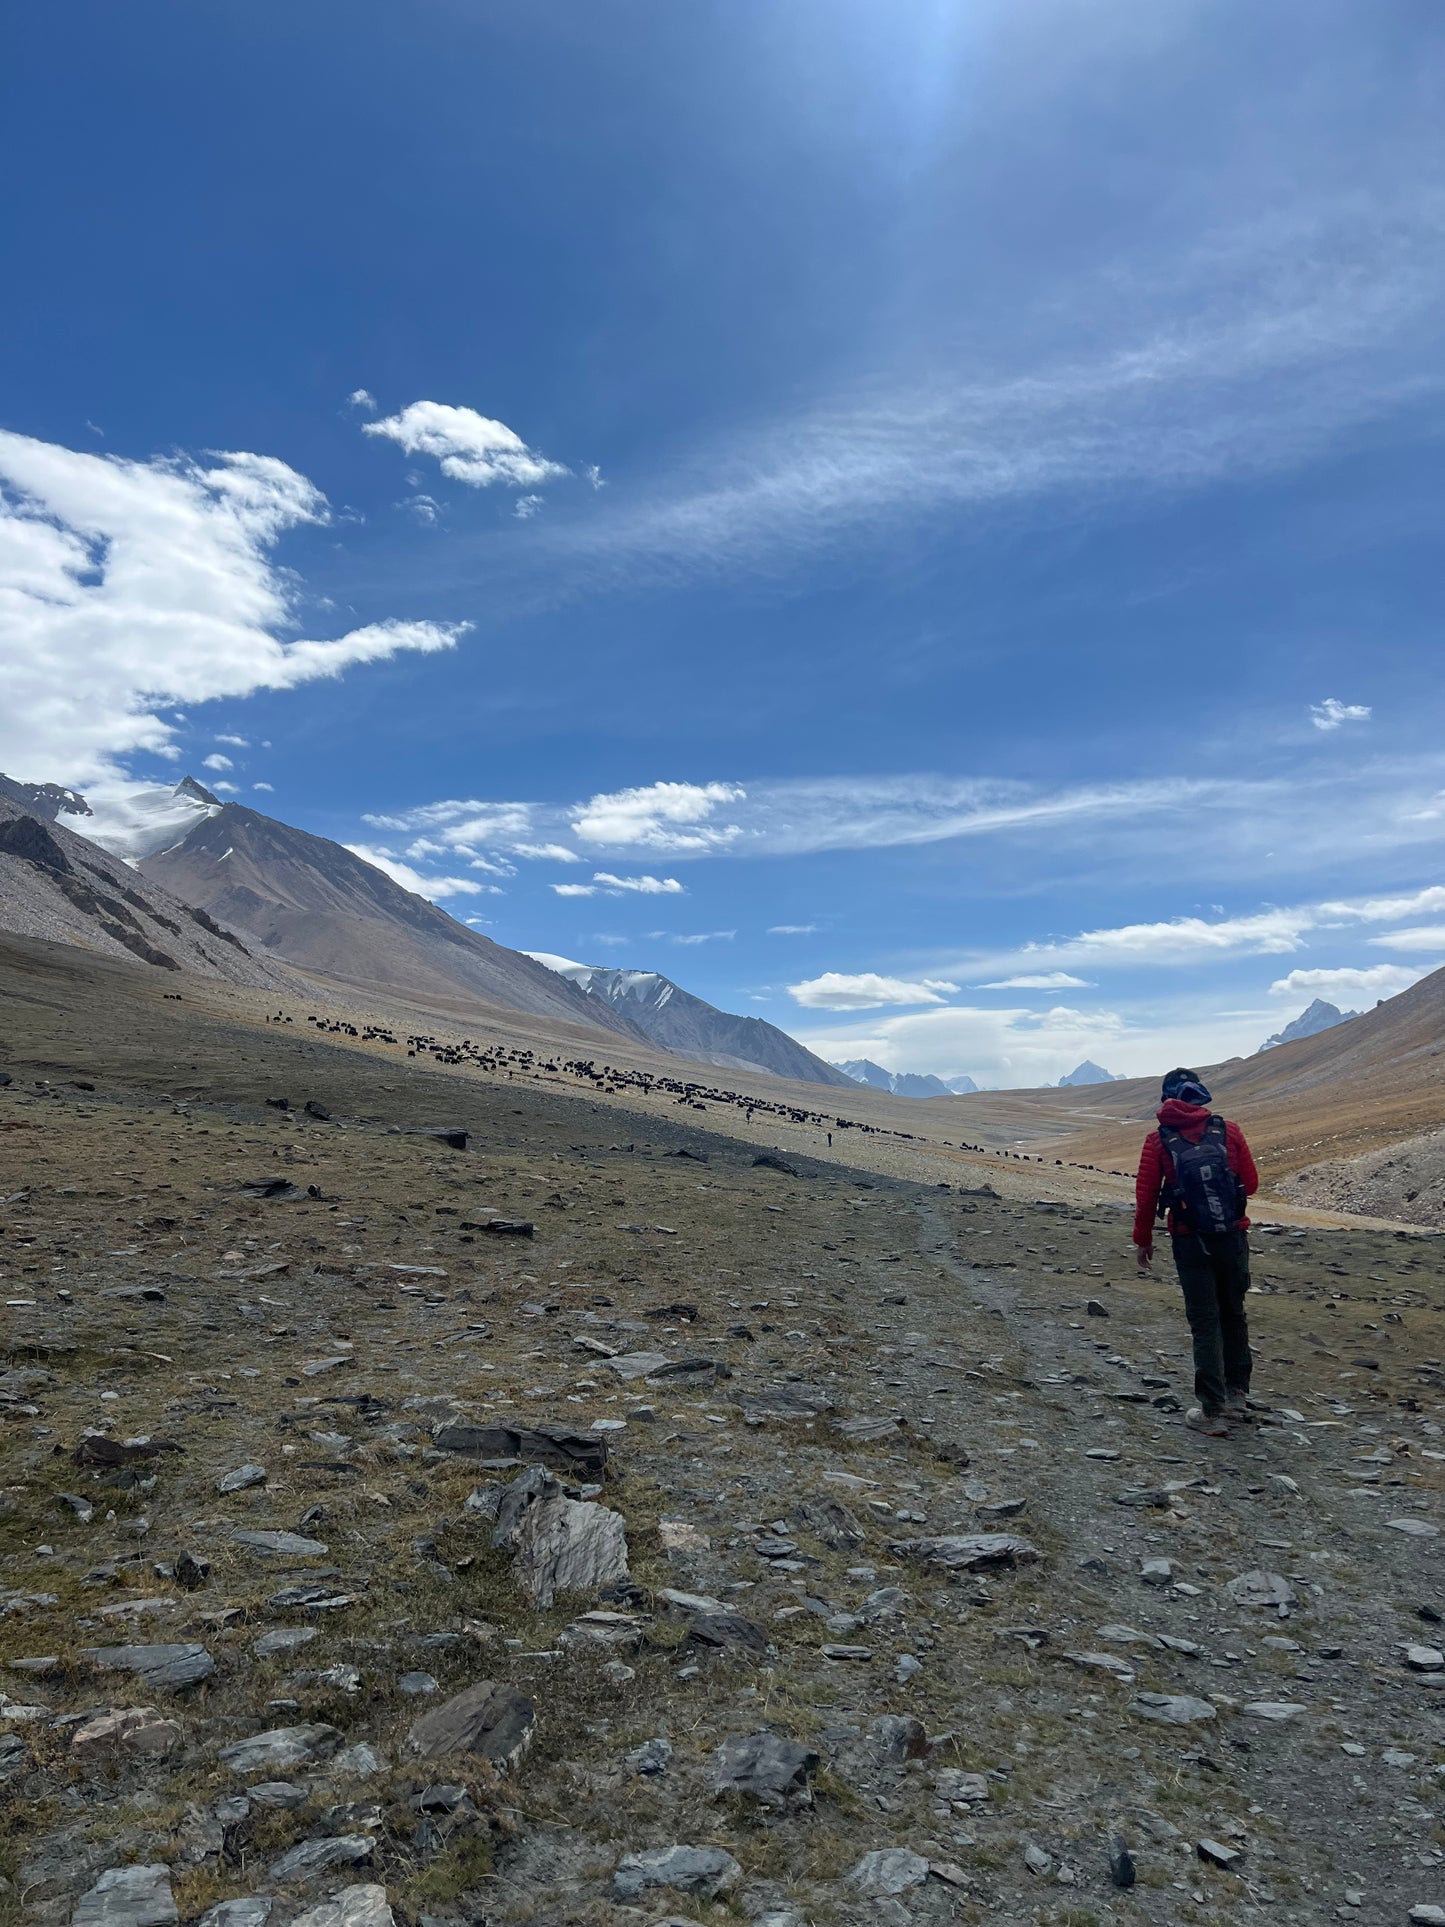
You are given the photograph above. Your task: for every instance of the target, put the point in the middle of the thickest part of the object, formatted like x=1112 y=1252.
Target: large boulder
x=558 y=1544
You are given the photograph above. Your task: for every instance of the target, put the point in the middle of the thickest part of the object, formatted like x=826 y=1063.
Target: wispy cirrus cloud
x=1044 y=980
x=605 y=884
x=1191 y=941
x=1251 y=350
x=1372 y=982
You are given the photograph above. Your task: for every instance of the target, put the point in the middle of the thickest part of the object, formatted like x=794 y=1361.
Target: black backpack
x=1206 y=1196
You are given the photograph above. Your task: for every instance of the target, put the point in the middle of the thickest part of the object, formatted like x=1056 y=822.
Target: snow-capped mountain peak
x=678 y=1021
x=136 y=823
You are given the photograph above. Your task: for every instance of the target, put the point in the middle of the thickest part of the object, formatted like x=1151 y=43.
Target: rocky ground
x=742 y=1543
x=1405 y=1181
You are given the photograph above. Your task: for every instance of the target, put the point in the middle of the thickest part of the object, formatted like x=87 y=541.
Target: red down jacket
x=1156 y=1166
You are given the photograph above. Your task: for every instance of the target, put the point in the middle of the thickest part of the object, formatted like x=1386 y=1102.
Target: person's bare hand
x=1144 y=1256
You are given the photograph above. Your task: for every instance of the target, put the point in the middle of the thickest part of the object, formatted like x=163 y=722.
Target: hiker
x=1199 y=1169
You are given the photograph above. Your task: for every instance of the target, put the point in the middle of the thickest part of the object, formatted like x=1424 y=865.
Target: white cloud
x=236 y=742
x=1331 y=713
x=835 y=990
x=708 y=936
x=791 y=929
x=263 y=786
x=431 y=888
x=1008 y=1048
x=462 y=821
x=127 y=588
x=217 y=761
x=646 y=886
x=1429 y=936
x=470 y=447
x=226 y=789
x=1015 y=1047
x=526 y=507
x=661 y=816
x=605 y=884
x=546 y=852
x=362 y=398
x=425 y=508
x=1336 y=986
x=1046 y=980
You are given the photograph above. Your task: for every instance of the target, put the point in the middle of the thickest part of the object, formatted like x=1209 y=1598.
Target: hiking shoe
x=1214 y=1425
x=1238 y=1408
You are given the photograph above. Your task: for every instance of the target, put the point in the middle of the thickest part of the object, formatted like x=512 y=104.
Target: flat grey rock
x=968 y=1552
x=136 y=1730
x=281 y=1746
x=1276 y=1710
x=1171 y=1709
x=277 y=1793
x=128 y=1897
x=361 y=1760
x=282 y=1639
x=1259 y=1588
x=1416 y=1528
x=363 y=1906
x=887 y=1871
x=308 y=1858
x=691 y=1870
x=295 y=1544
x=636 y=1364
x=491 y=1720
x=253 y=1911
x=764 y=1767
x=650 y=1759
x=241 y=1479
x=165 y=1666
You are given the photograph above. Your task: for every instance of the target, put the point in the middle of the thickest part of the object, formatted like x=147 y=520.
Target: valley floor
x=902 y=1472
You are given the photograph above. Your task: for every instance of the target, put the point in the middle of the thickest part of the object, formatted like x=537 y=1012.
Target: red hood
x=1189 y=1119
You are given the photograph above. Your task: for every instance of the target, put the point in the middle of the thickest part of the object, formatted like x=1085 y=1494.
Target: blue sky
x=853 y=505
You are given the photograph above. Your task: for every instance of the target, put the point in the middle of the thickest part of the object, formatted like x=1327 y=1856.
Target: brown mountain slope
x=312 y=902
x=1374 y=1081
x=61 y=887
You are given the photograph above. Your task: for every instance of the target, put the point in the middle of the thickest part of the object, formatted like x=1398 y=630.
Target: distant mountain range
x=677 y=1021
x=862 y=1070
x=1320 y=1016
x=1091 y=1073
x=177 y=877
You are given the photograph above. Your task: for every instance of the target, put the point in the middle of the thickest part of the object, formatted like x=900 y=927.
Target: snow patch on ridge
x=136 y=823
